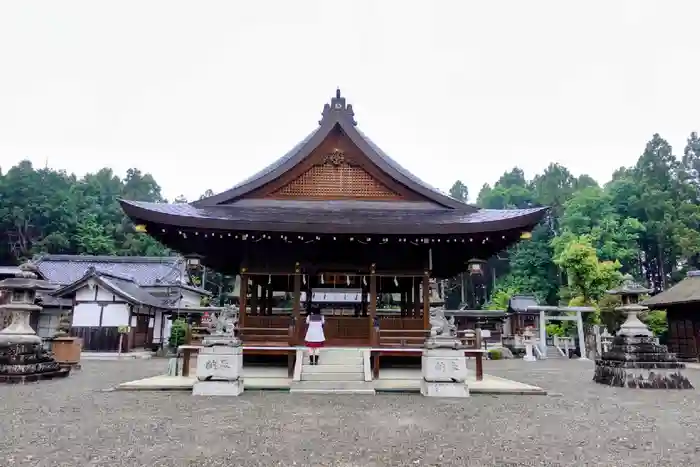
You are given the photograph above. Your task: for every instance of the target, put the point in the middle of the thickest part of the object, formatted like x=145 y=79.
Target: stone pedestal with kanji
x=444 y=373
x=220 y=362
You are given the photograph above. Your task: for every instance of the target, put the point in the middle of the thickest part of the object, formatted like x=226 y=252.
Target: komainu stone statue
x=223 y=328
x=440 y=325
x=220 y=361
x=443 y=331
x=443 y=364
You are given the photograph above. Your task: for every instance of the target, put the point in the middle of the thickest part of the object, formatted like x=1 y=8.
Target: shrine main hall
x=338 y=223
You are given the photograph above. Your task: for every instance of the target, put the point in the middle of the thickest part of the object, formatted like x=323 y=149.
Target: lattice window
x=342 y=181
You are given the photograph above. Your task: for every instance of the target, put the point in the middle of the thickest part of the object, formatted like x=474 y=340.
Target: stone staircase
x=552 y=352
x=339 y=371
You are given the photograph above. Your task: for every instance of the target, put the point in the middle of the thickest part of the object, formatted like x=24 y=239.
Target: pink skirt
x=314 y=345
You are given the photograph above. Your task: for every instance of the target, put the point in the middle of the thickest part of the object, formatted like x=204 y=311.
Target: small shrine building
x=338 y=212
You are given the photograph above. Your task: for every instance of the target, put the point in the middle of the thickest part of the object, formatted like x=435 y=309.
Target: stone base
x=443 y=389
x=218 y=388
x=70 y=366
x=529 y=358
x=220 y=363
x=446 y=365
x=32 y=377
x=641 y=375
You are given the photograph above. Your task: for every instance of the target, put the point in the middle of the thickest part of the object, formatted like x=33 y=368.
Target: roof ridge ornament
x=338 y=109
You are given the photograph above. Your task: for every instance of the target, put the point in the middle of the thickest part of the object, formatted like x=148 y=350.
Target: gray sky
x=203 y=94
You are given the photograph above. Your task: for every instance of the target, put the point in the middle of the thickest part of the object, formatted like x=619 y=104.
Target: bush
x=495 y=354
x=177 y=333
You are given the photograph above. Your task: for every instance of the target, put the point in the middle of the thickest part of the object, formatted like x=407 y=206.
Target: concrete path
x=253 y=378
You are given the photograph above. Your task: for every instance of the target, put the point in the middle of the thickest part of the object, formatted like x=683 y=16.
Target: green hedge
x=495 y=354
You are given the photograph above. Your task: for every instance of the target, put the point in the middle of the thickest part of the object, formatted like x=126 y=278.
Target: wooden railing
x=268 y=336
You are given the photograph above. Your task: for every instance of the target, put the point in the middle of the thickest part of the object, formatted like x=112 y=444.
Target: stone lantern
x=22 y=357
x=476 y=267
x=635 y=360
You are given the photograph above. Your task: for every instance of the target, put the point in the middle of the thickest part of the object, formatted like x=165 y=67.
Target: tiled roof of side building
x=121 y=285
x=66 y=269
x=686 y=291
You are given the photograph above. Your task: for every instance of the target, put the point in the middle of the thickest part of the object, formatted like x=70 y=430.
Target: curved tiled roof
x=333 y=218
x=337 y=113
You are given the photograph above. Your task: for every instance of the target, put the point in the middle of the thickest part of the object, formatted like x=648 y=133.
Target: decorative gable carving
x=335 y=176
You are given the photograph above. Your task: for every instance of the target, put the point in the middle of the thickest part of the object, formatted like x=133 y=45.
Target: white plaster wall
x=115 y=314
x=86 y=293
x=86 y=314
x=157 y=322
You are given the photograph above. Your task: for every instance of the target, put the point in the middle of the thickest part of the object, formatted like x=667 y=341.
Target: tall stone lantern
x=22 y=356
x=635 y=360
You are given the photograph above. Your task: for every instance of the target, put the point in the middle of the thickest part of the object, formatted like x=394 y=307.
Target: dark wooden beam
x=296 y=307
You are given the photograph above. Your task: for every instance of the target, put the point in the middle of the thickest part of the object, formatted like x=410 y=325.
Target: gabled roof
x=419 y=210
x=685 y=292
x=336 y=114
x=143 y=270
x=123 y=286
x=520 y=304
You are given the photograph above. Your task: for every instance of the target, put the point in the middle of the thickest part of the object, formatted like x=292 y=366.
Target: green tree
x=459 y=191
x=588 y=278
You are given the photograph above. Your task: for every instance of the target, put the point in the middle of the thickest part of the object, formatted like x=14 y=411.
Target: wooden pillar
x=402 y=289
x=363 y=299
x=426 y=300
x=416 y=297
x=372 y=297
x=243 y=298
x=270 y=291
x=254 y=297
x=262 y=286
x=296 y=302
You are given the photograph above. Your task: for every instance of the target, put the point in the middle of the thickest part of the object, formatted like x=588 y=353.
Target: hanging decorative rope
x=303 y=279
x=269 y=279
x=364 y=280
x=396 y=281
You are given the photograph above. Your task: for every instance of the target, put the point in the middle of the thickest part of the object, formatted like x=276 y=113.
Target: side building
x=109 y=293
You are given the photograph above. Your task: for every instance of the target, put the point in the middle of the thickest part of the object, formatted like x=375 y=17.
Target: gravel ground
x=75 y=422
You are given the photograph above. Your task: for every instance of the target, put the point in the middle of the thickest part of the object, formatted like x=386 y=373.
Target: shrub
x=495 y=354
x=177 y=333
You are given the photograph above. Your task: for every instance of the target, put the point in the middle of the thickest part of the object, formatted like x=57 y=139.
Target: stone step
x=333 y=360
x=332 y=387
x=324 y=368
x=333 y=377
x=552 y=352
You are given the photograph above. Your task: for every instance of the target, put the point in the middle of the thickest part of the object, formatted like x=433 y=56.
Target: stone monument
x=444 y=365
x=635 y=360
x=22 y=356
x=529 y=343
x=220 y=361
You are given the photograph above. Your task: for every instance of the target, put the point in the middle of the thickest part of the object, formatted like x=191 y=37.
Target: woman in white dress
x=314 y=334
